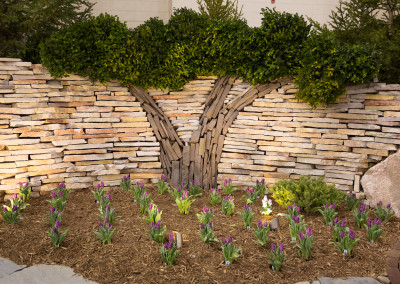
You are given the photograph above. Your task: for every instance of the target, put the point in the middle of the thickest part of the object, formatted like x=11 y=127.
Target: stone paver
x=38 y=274
x=350 y=280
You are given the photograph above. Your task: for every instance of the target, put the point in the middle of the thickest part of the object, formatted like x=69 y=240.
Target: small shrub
x=169 y=252
x=277 y=256
x=229 y=250
x=261 y=232
x=215 y=197
x=383 y=213
x=308 y=193
x=56 y=235
x=162 y=185
x=228 y=206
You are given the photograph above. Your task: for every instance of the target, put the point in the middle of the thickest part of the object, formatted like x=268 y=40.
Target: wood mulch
x=133 y=257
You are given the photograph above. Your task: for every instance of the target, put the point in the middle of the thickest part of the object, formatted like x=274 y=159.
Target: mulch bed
x=133 y=257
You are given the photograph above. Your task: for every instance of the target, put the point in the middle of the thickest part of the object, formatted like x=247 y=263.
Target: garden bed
x=133 y=257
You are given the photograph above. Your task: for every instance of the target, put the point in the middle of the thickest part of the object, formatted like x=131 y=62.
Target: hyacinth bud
x=20 y=184
x=354 y=195
x=21 y=197
x=379 y=222
x=388 y=206
x=106 y=220
x=183 y=197
x=166 y=246
x=201 y=225
x=231 y=198
x=230 y=180
x=351 y=192
x=100 y=224
x=142 y=185
x=186 y=193
x=162 y=177
x=210 y=224
x=61 y=185
x=210 y=209
x=289 y=207
x=245 y=207
x=60 y=193
x=102 y=184
x=53 y=195
x=326 y=206
x=297 y=219
x=379 y=203
x=369 y=223
x=260 y=224
x=158 y=225
x=151 y=206
x=217 y=190
x=55 y=231
x=98 y=186
x=301 y=236
x=109 y=196
x=204 y=209
x=266 y=224
x=298 y=209
x=170 y=245
x=5 y=209
x=15 y=208
x=281 y=247
x=334 y=206
x=352 y=234
x=363 y=207
x=229 y=239
x=58 y=212
x=225 y=182
x=211 y=190
x=336 y=220
x=223 y=240
x=58 y=224
x=145 y=194
x=107 y=208
x=262 y=181
x=251 y=190
x=308 y=232
x=102 y=198
x=178 y=188
x=272 y=246
x=343 y=224
x=341 y=234
x=108 y=225
x=226 y=198
x=183 y=184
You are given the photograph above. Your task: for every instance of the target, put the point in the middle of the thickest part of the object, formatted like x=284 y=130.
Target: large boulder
x=382 y=183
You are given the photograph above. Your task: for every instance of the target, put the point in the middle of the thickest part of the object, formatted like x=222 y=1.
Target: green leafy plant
x=346 y=243
x=108 y=215
x=105 y=202
x=383 y=214
x=162 y=185
x=339 y=229
x=10 y=215
x=206 y=215
x=106 y=233
x=184 y=203
x=25 y=191
x=176 y=192
x=329 y=213
x=228 y=206
x=63 y=191
x=305 y=243
x=156 y=232
x=374 y=230
x=144 y=202
x=352 y=201
x=215 y=197
x=57 y=201
x=99 y=192
x=229 y=250
x=361 y=216
x=168 y=251
x=262 y=232
x=138 y=191
x=294 y=211
x=310 y=194
x=54 y=216
x=296 y=226
x=154 y=214
x=247 y=216
x=125 y=183
x=195 y=189
x=251 y=196
x=207 y=232
x=260 y=188
x=227 y=187
x=277 y=257
x=220 y=9
x=56 y=235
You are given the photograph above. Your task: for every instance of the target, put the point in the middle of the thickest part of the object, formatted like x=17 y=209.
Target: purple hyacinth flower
x=178 y=189
x=102 y=184
x=262 y=181
x=58 y=224
x=142 y=185
x=336 y=220
x=298 y=209
x=171 y=237
x=369 y=223
x=225 y=183
x=166 y=246
x=266 y=224
x=245 y=207
x=107 y=208
x=109 y=196
x=326 y=206
x=170 y=245
x=98 y=186
x=211 y=190
x=108 y=225
x=379 y=222
x=281 y=247
x=260 y=224
x=210 y=209
x=334 y=206
x=289 y=207
x=158 y=225
x=379 y=203
x=251 y=191
x=272 y=246
x=343 y=224
x=308 y=232
x=223 y=240
x=297 y=219
x=15 y=208
x=100 y=224
x=106 y=220
x=52 y=210
x=210 y=224
x=230 y=198
x=341 y=234
x=229 y=239
x=150 y=206
x=20 y=184
x=5 y=209
x=230 y=180
x=217 y=190
x=205 y=209
x=162 y=177
x=53 y=195
x=301 y=236
x=55 y=231
x=388 y=206
x=201 y=225
x=352 y=234
x=152 y=225
x=60 y=193
x=183 y=184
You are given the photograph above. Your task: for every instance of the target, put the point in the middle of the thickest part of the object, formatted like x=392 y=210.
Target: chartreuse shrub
x=169 y=55
x=309 y=193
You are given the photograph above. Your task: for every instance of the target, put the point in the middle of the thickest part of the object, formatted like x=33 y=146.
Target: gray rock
x=274 y=224
x=316 y=282
x=7 y=267
x=383 y=279
x=45 y=274
x=302 y=282
x=350 y=280
x=381 y=183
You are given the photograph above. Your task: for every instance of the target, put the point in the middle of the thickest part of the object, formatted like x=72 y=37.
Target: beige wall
x=318 y=10
x=134 y=12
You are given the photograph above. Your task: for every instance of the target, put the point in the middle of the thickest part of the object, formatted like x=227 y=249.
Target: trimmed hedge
x=169 y=55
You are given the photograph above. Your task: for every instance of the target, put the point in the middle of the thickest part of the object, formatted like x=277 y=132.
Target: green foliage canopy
x=220 y=9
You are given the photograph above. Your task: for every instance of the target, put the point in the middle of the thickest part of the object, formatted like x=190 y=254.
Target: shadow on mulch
x=133 y=257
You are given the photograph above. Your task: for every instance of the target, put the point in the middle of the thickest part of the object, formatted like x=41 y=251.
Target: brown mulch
x=134 y=258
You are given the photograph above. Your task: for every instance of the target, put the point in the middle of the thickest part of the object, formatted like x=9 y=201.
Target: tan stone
x=332 y=147
x=371 y=152
x=351 y=132
x=94 y=157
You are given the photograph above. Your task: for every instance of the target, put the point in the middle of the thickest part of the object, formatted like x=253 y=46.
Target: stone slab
x=8 y=267
x=350 y=280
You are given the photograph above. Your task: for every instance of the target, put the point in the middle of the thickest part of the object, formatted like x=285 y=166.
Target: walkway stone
x=7 y=267
x=350 y=280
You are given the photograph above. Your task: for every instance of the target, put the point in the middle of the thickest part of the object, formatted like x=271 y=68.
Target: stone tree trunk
x=198 y=159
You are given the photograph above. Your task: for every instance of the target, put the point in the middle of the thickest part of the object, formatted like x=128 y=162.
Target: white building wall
x=135 y=12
